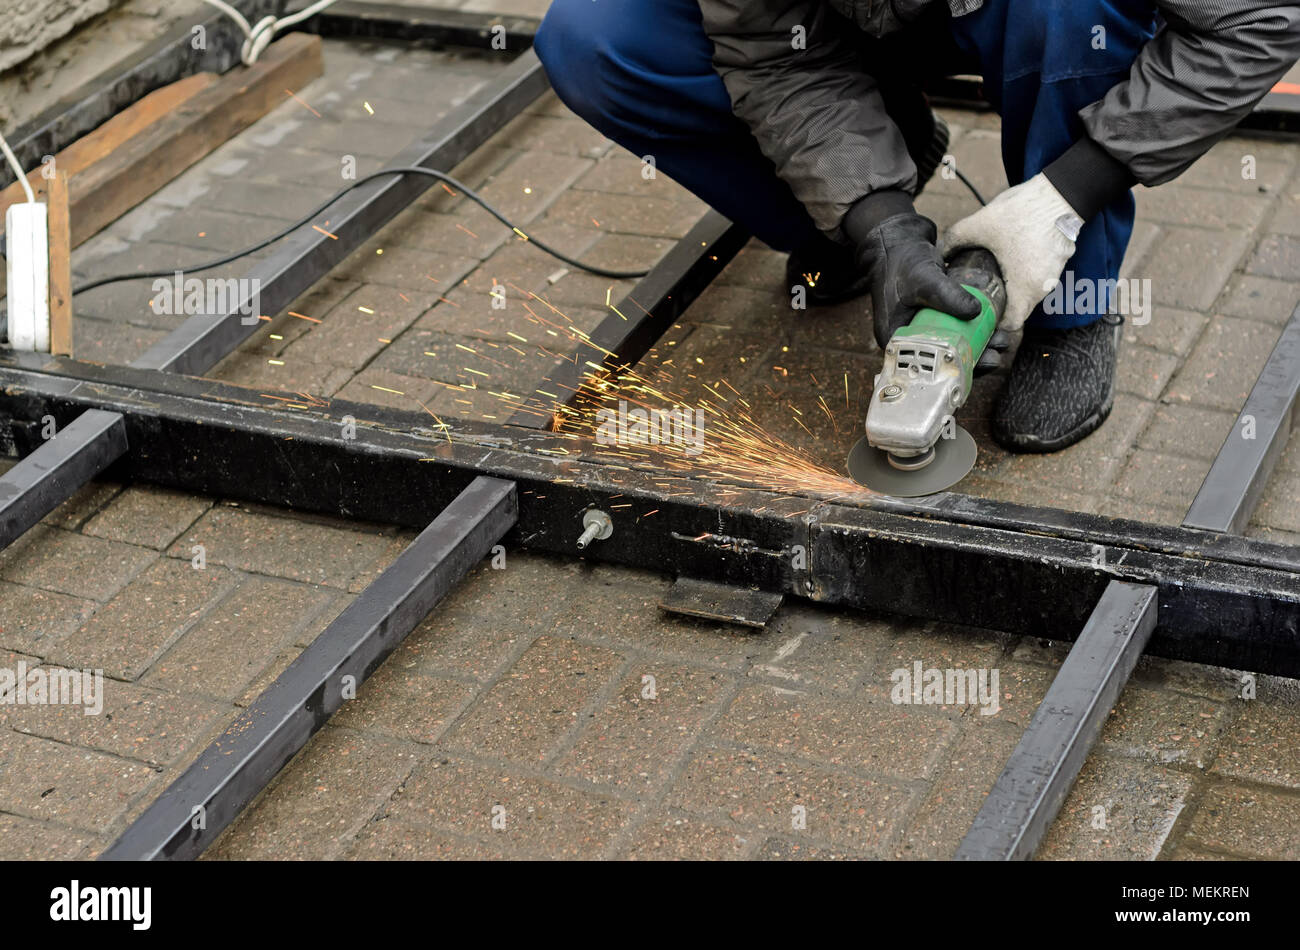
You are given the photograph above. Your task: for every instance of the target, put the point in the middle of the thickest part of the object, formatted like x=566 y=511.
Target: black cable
x=307 y=219
x=402 y=170
x=967 y=182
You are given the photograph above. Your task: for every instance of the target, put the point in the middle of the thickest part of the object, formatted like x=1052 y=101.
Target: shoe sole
x=1031 y=445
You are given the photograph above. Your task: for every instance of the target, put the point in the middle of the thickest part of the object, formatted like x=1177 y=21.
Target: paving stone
x=236 y=639
x=1216 y=210
x=540 y=816
x=421 y=273
x=1086 y=467
x=1166 y=728
x=109 y=342
x=756 y=266
x=1260 y=745
x=633 y=741
x=624 y=174
x=1167 y=480
x=58 y=560
x=1144 y=511
x=1278 y=255
x=391 y=840
x=627 y=605
x=1248 y=821
x=279 y=374
x=1169 y=331
x=760 y=791
x=786 y=849
x=125 y=636
x=405 y=704
x=818 y=648
x=538 y=700
x=1144 y=371
x=321 y=799
x=22 y=839
x=565 y=135
x=147 y=516
x=50 y=781
x=1209 y=682
x=1278 y=507
x=1139 y=804
x=1225 y=364
x=1144 y=238
x=378 y=387
x=935 y=646
x=958 y=792
x=623 y=214
x=1262 y=298
x=133 y=721
x=1190 y=266
x=1187 y=430
x=246 y=197
x=87 y=500
x=488 y=617
x=280 y=547
x=897 y=742
x=33 y=620
x=1224 y=167
x=676 y=836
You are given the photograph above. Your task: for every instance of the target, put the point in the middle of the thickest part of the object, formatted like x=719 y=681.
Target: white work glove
x=1031 y=230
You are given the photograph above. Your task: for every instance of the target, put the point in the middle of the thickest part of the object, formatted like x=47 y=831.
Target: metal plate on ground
x=713 y=601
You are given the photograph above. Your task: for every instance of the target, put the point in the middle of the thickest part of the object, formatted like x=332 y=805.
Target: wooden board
x=60 y=236
x=131 y=121
x=120 y=181
x=118 y=173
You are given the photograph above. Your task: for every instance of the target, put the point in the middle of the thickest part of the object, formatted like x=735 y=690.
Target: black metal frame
x=1221 y=599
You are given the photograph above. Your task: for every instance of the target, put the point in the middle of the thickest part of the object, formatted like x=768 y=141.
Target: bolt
x=596 y=526
x=891 y=393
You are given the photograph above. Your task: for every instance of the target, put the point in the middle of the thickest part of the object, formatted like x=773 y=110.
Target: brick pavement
x=585 y=722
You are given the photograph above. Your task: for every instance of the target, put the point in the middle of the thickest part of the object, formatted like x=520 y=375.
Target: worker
x=805 y=121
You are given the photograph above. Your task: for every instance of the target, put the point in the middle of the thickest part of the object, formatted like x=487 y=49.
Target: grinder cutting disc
x=953 y=459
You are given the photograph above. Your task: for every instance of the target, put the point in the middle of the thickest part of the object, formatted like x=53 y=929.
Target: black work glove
x=907 y=275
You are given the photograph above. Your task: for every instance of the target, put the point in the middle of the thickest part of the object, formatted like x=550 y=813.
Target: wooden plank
x=123 y=179
x=110 y=136
x=60 y=234
x=116 y=173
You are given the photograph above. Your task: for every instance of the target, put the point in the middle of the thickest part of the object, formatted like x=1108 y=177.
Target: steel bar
x=1230 y=492
x=1224 y=600
x=193 y=810
x=169 y=58
x=423 y=26
x=55 y=471
x=1038 y=776
x=643 y=316
x=204 y=339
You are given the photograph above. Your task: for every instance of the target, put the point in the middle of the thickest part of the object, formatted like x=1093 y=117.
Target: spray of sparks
x=735 y=447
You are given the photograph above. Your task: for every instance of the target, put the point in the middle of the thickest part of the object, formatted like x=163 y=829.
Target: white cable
x=259 y=36
x=18 y=169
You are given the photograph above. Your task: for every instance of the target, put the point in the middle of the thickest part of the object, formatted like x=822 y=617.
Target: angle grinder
x=913 y=444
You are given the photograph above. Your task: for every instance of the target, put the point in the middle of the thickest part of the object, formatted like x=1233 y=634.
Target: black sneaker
x=827 y=271
x=1061 y=387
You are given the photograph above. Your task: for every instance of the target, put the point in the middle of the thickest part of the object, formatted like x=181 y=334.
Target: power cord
x=258 y=37
x=307 y=218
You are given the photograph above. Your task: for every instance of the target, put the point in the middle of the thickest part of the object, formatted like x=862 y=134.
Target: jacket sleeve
x=1201 y=74
x=815 y=111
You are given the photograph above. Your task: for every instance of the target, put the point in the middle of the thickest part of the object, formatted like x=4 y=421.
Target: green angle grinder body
x=913 y=444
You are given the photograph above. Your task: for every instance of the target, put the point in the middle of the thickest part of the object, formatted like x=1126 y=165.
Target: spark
x=332 y=237
x=303 y=104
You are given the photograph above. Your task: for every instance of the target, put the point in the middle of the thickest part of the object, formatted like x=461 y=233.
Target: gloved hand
x=907 y=274
x=1031 y=230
